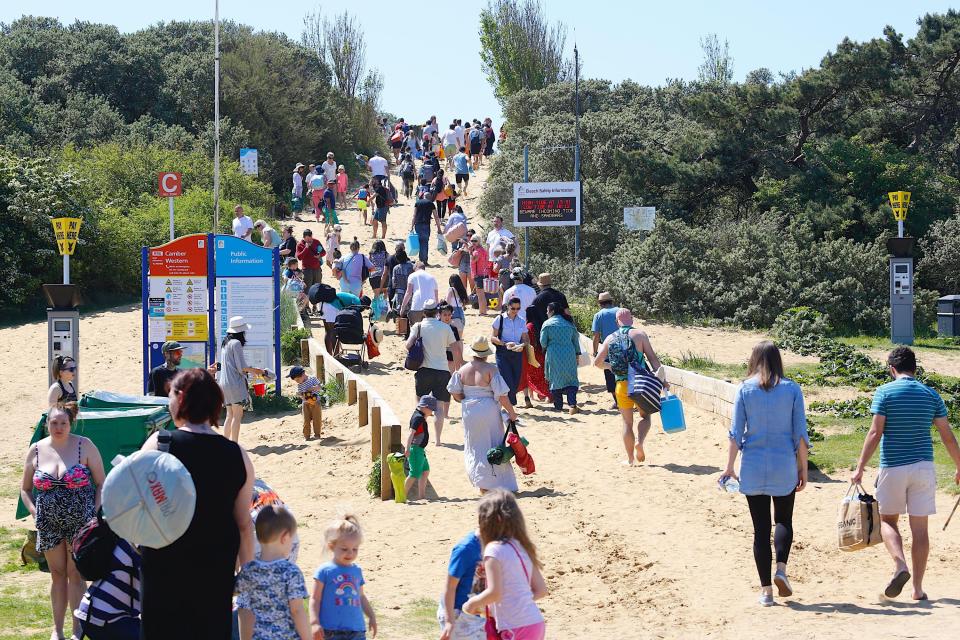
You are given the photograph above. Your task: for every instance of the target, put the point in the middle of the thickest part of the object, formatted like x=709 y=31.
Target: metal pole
x=66 y=269
x=526 y=230
x=216 y=116
x=576 y=149
x=899 y=228
x=170 y=200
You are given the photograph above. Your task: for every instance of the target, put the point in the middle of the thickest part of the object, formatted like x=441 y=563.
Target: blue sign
x=236 y=257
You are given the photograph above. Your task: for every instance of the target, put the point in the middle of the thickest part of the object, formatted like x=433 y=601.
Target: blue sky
x=432 y=65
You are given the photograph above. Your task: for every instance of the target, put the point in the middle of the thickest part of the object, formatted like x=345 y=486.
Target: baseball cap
x=171 y=345
x=427 y=402
x=296 y=372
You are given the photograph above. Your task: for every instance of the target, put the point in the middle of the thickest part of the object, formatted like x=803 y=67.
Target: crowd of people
x=244 y=579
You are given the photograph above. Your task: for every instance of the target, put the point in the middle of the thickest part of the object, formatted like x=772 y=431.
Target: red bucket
x=259 y=389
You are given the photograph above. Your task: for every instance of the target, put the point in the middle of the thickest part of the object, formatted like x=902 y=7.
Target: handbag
x=643 y=387
x=415 y=355
x=502 y=453
x=455 y=232
x=858 y=522
x=454 y=258
x=372 y=350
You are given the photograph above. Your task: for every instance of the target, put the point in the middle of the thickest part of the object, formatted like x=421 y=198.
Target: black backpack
x=93 y=547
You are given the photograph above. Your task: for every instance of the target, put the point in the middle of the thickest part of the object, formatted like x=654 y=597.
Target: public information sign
x=248 y=161
x=176 y=300
x=169 y=184
x=639 y=218
x=546 y=204
x=66 y=230
x=248 y=285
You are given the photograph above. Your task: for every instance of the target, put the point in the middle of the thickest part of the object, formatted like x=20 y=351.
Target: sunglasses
x=68 y=369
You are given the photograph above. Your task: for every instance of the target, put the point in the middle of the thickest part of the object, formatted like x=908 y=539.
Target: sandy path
x=648 y=552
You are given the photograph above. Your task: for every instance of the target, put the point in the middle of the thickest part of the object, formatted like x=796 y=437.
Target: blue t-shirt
x=463 y=565
x=910 y=408
x=340 y=605
x=460 y=163
x=605 y=322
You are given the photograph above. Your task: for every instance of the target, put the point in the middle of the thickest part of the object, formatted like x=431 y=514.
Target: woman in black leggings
x=770 y=430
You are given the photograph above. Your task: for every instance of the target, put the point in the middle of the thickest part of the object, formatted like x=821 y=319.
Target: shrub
x=290 y=345
x=799 y=328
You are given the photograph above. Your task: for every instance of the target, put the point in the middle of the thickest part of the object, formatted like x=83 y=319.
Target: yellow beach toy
x=397 y=477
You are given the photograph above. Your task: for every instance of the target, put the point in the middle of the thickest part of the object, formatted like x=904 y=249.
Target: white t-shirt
x=525 y=292
x=377 y=165
x=459 y=131
x=450 y=138
x=241 y=226
x=309 y=179
x=437 y=336
x=516 y=607
x=493 y=238
x=330 y=170
x=423 y=286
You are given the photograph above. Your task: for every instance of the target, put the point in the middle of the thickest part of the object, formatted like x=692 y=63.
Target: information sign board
x=546 y=204
x=248 y=161
x=639 y=218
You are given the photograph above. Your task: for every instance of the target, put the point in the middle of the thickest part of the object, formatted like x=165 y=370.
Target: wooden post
x=339 y=377
x=363 y=416
x=386 y=487
x=351 y=392
x=305 y=350
x=395 y=441
x=319 y=369
x=374 y=432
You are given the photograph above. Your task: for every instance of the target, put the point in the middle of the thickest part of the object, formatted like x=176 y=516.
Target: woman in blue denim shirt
x=770 y=429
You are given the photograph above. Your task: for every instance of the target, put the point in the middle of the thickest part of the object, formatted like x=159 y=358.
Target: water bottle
x=729 y=484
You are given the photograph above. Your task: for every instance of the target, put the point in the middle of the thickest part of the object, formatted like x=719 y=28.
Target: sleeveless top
x=67 y=396
x=64 y=504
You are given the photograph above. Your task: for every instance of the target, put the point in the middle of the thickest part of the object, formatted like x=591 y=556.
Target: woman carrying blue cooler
x=770 y=430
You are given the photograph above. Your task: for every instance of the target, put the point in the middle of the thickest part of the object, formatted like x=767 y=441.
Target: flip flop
x=896 y=585
x=921 y=598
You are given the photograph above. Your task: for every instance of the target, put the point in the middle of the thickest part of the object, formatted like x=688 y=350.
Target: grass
x=732 y=372
x=335 y=391
x=418 y=619
x=24 y=605
x=840 y=450
x=883 y=342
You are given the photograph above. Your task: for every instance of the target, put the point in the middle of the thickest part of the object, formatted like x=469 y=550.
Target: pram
x=351 y=344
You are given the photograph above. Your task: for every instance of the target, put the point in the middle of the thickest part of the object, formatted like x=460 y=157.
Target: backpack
x=92 y=548
x=426 y=171
x=622 y=352
x=475 y=135
x=406 y=170
x=397 y=136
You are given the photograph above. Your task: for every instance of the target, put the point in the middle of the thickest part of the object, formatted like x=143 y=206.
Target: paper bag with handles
x=858 y=524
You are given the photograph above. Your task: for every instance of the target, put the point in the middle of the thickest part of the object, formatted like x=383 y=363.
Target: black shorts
x=475 y=148
x=432 y=381
x=396 y=145
x=610 y=379
x=375 y=281
x=478 y=280
x=463 y=177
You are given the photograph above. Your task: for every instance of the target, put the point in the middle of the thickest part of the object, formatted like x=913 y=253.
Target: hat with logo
x=171 y=345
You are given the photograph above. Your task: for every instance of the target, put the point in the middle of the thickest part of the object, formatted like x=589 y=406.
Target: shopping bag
x=858 y=523
x=378 y=308
x=491 y=285
x=520 y=452
x=586 y=347
x=441 y=245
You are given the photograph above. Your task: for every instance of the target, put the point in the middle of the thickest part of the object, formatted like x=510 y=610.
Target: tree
x=346 y=52
x=717 y=67
x=520 y=50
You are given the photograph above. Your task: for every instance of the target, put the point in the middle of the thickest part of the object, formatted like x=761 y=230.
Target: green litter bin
x=115 y=431
x=110 y=400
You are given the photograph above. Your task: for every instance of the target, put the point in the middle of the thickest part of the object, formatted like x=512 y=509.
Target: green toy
x=397 y=477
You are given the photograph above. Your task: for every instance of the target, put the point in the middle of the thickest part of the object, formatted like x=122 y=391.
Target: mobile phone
x=218 y=366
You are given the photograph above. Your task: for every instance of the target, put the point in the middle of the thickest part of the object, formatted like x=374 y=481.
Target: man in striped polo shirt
x=903 y=411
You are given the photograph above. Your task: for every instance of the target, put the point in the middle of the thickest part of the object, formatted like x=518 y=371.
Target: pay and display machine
x=901 y=290
x=63 y=326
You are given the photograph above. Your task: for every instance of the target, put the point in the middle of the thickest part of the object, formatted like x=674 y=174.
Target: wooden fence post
x=305 y=350
x=351 y=392
x=319 y=368
x=374 y=432
x=396 y=442
x=386 y=487
x=339 y=378
x=363 y=417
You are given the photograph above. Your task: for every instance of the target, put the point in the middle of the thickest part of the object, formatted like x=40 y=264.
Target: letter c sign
x=169 y=184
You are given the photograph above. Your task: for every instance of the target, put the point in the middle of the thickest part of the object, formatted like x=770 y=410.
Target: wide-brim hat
x=376 y=333
x=299 y=165
x=481 y=347
x=605 y=297
x=237 y=325
x=545 y=279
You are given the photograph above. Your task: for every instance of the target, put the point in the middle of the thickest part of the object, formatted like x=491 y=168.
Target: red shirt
x=308 y=253
x=479 y=262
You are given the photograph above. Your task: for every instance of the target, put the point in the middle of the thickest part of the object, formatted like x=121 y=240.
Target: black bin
x=948 y=316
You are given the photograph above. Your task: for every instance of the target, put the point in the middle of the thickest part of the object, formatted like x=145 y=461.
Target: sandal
x=895 y=586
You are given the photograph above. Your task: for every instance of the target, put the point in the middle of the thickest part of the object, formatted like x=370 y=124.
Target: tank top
x=67 y=396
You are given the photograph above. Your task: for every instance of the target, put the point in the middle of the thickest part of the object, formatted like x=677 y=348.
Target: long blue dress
x=561 y=344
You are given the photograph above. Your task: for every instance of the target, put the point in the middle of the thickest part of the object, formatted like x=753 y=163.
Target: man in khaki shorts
x=903 y=411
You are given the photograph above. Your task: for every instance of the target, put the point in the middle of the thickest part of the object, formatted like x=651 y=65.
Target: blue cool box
x=671 y=414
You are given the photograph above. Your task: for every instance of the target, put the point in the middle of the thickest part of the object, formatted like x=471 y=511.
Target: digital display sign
x=546 y=204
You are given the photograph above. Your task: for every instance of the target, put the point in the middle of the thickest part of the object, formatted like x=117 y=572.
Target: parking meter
x=63 y=326
x=901 y=290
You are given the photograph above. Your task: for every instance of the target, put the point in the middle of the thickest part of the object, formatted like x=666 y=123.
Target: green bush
x=290 y=345
x=800 y=328
x=373 y=479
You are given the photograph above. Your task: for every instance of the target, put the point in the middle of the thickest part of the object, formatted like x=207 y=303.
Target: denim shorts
x=343 y=634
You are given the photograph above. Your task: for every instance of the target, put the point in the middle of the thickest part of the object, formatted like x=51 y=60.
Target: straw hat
x=605 y=297
x=545 y=279
x=481 y=347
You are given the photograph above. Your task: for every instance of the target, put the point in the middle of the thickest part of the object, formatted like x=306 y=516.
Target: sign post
x=900 y=203
x=901 y=273
x=248 y=161
x=546 y=204
x=639 y=218
x=170 y=186
x=66 y=231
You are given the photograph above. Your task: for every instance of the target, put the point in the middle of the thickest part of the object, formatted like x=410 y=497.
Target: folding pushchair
x=351 y=344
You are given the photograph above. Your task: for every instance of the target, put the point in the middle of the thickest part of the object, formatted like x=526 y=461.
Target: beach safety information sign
x=247 y=285
x=546 y=204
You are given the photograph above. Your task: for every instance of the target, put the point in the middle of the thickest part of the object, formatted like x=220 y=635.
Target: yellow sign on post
x=66 y=231
x=900 y=203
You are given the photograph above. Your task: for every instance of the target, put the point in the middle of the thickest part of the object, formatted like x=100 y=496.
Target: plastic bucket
x=413 y=244
x=671 y=414
x=259 y=389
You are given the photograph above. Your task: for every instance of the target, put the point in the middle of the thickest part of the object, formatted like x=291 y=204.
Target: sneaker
x=574 y=410
x=783 y=585
x=527 y=403
x=766 y=600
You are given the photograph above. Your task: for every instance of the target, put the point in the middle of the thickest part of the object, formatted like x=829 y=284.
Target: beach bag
x=858 y=523
x=378 y=308
x=372 y=350
x=520 y=452
x=149 y=498
x=583 y=358
x=441 y=245
x=474 y=301
x=92 y=548
x=454 y=258
x=415 y=355
x=455 y=232
x=491 y=285
x=643 y=387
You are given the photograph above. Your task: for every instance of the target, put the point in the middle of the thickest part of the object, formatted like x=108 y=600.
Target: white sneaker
x=783 y=585
x=766 y=600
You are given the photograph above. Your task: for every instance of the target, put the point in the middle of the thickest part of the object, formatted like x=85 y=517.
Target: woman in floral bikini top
x=61 y=499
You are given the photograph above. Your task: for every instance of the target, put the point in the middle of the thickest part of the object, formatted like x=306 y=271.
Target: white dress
x=483 y=430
